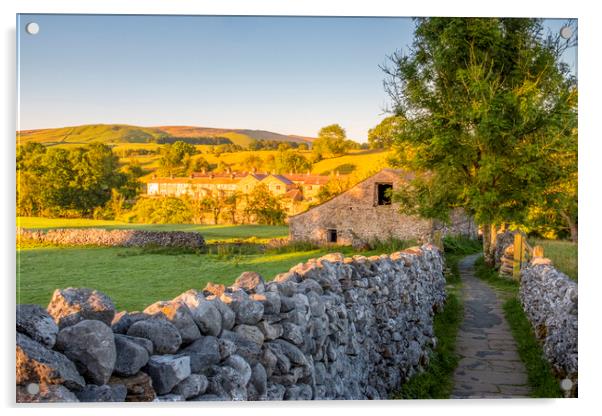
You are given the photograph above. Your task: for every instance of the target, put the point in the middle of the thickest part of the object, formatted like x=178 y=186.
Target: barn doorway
x=331 y=236
x=383 y=193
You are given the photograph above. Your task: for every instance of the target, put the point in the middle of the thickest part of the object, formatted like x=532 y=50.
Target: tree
x=291 y=161
x=214 y=203
x=331 y=141
x=252 y=162
x=383 y=135
x=172 y=157
x=231 y=207
x=198 y=164
x=264 y=207
x=60 y=182
x=487 y=105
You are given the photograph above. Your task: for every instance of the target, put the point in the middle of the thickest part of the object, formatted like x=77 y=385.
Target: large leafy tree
x=331 y=141
x=383 y=135
x=58 y=182
x=488 y=108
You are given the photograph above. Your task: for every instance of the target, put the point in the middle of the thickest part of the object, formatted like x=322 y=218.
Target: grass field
x=134 y=278
x=210 y=232
x=563 y=254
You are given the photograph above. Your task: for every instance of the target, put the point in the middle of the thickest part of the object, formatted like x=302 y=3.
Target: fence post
x=518 y=256
x=438 y=240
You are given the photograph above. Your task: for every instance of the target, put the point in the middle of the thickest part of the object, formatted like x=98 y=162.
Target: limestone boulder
x=208 y=318
x=164 y=335
x=249 y=350
x=179 y=315
x=250 y=282
x=250 y=332
x=72 y=305
x=214 y=289
x=123 y=320
x=131 y=355
x=193 y=385
x=227 y=314
x=257 y=387
x=167 y=371
x=37 y=364
x=36 y=323
x=249 y=312
x=203 y=353
x=241 y=366
x=91 y=346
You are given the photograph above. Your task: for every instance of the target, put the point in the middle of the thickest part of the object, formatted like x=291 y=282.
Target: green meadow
x=135 y=278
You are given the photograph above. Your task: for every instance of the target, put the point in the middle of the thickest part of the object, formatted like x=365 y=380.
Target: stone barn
x=366 y=213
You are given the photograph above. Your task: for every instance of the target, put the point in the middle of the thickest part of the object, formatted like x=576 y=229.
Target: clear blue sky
x=290 y=75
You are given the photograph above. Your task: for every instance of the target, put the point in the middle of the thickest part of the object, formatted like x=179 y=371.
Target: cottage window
x=331 y=236
x=383 y=193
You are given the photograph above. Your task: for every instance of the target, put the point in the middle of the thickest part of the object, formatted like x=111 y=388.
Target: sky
x=290 y=75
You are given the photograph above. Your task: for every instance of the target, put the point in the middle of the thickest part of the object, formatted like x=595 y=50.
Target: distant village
x=296 y=191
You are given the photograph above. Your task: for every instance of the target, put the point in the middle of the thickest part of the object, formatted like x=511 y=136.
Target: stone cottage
x=366 y=213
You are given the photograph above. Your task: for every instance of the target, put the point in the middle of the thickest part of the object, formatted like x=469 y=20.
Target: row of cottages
x=366 y=213
x=295 y=190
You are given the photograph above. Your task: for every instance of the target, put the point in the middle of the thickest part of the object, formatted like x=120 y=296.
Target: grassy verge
x=539 y=372
x=436 y=382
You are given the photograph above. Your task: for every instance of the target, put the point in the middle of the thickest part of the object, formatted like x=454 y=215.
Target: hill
x=123 y=133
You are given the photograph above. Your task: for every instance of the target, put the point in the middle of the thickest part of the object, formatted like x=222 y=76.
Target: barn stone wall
x=359 y=220
x=330 y=328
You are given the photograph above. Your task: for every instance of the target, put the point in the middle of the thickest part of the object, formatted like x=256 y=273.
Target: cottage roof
x=294 y=194
x=203 y=180
x=308 y=179
x=283 y=179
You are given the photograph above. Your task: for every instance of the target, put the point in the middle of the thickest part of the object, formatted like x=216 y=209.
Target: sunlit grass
x=563 y=255
x=134 y=278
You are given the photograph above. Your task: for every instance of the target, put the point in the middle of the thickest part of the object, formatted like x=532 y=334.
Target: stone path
x=490 y=366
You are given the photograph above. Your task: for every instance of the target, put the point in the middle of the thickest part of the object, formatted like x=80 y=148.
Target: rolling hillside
x=123 y=133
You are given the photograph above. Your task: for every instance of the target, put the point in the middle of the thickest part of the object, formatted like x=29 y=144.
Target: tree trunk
x=572 y=226
x=489 y=234
x=486 y=239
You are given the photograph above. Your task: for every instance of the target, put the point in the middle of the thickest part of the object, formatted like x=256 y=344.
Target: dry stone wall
x=112 y=238
x=550 y=301
x=330 y=328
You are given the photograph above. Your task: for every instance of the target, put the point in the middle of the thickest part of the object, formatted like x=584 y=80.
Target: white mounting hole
x=32 y=28
x=566 y=384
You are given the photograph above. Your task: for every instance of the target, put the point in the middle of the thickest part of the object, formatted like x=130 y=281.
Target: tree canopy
x=383 y=135
x=331 y=141
x=58 y=182
x=490 y=114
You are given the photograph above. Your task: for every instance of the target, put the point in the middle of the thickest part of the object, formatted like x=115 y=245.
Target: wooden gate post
x=518 y=256
x=438 y=240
